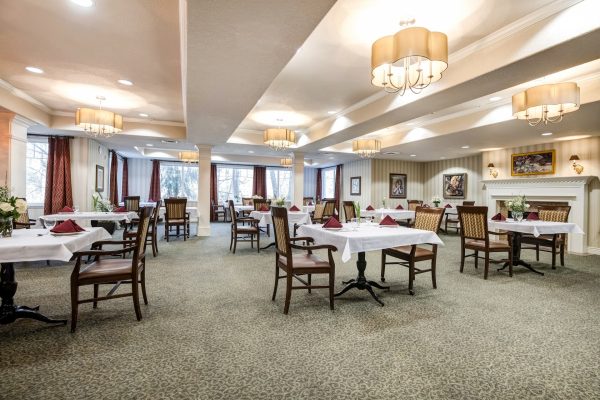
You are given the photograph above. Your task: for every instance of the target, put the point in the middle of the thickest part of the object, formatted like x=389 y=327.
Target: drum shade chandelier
x=412 y=58
x=286 y=162
x=546 y=103
x=366 y=148
x=189 y=156
x=99 y=122
x=279 y=138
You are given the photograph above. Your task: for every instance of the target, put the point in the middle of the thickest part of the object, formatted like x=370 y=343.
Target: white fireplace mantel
x=571 y=189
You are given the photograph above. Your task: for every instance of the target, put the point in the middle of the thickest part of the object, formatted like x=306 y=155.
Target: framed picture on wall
x=397 y=186
x=455 y=186
x=355 y=186
x=99 y=178
x=533 y=163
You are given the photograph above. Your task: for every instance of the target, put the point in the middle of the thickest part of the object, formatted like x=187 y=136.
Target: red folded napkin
x=370 y=208
x=121 y=209
x=388 y=221
x=294 y=208
x=399 y=207
x=533 y=216
x=332 y=223
x=67 y=209
x=310 y=203
x=67 y=226
x=499 y=217
x=264 y=207
x=448 y=206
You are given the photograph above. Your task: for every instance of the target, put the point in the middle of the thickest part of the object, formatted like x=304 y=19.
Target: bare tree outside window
x=279 y=183
x=179 y=180
x=234 y=182
x=328 y=179
x=36 y=163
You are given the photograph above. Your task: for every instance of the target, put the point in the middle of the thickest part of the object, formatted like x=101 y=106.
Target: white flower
x=6 y=207
x=526 y=205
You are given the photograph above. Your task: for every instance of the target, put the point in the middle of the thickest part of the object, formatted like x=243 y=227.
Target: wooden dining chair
x=296 y=266
x=329 y=210
x=217 y=211
x=307 y=201
x=549 y=243
x=132 y=203
x=112 y=271
x=474 y=235
x=468 y=203
x=349 y=211
x=413 y=204
x=152 y=234
x=318 y=213
x=177 y=217
x=241 y=233
x=428 y=219
x=23 y=222
x=261 y=204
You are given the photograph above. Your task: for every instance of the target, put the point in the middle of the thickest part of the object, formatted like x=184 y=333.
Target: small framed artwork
x=455 y=186
x=533 y=163
x=355 y=186
x=99 y=178
x=397 y=186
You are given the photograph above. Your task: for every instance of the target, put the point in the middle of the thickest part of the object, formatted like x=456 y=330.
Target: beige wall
x=13 y=152
x=361 y=168
x=433 y=173
x=380 y=176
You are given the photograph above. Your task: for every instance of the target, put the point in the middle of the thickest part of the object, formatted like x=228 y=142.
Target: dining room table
x=355 y=238
x=295 y=218
x=308 y=208
x=380 y=213
x=532 y=227
x=27 y=245
x=126 y=216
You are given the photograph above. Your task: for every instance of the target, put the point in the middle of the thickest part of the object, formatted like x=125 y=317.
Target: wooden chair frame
x=180 y=219
x=549 y=243
x=245 y=231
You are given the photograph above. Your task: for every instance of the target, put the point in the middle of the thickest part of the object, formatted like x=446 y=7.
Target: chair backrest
x=473 y=222
x=329 y=208
x=231 y=206
x=260 y=203
x=155 y=214
x=428 y=219
x=468 y=203
x=282 y=233
x=142 y=232
x=554 y=213
x=175 y=208
x=247 y=201
x=307 y=200
x=413 y=204
x=319 y=208
x=23 y=221
x=349 y=211
x=132 y=203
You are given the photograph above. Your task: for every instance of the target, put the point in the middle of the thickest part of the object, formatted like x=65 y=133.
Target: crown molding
x=126 y=119
x=24 y=96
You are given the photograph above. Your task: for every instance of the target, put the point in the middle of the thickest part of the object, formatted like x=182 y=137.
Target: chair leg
x=167 y=230
x=562 y=255
x=96 y=287
x=537 y=252
x=235 y=238
x=309 y=283
x=276 y=282
x=258 y=242
x=74 y=305
x=553 y=256
x=487 y=265
x=143 y=282
x=462 y=259
x=411 y=276
x=251 y=241
x=433 y=282
x=288 y=292
x=331 y=284
x=230 y=240
x=510 y=263
x=135 y=288
x=185 y=232
x=154 y=243
x=476 y=258
x=382 y=266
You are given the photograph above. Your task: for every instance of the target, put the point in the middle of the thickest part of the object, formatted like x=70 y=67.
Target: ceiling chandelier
x=546 y=103
x=412 y=59
x=279 y=138
x=189 y=156
x=286 y=162
x=366 y=148
x=99 y=122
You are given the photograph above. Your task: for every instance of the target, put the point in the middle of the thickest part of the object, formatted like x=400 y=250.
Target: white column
x=13 y=151
x=298 y=179
x=204 y=153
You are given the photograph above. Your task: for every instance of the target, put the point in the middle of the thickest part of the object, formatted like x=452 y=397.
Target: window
x=279 y=182
x=36 y=163
x=179 y=180
x=234 y=182
x=328 y=183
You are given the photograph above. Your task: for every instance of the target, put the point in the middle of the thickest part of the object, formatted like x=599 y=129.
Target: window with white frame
x=36 y=163
x=279 y=183
x=234 y=182
x=328 y=183
x=179 y=180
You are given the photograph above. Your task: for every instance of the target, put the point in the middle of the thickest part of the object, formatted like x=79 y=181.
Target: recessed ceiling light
x=251 y=151
x=390 y=153
x=547 y=134
x=410 y=123
x=143 y=115
x=495 y=98
x=149 y=145
x=83 y=3
x=125 y=82
x=331 y=112
x=464 y=147
x=442 y=158
x=413 y=155
x=35 y=70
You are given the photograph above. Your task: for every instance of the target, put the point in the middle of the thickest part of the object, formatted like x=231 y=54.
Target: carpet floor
x=211 y=331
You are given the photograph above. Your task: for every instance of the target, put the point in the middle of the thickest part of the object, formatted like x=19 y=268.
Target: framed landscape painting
x=533 y=163
x=355 y=186
x=397 y=186
x=99 y=178
x=455 y=186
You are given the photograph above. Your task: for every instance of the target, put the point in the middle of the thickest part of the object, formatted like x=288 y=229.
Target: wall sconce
x=576 y=166
x=493 y=170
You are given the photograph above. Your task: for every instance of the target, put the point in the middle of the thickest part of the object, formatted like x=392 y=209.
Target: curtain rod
x=49 y=136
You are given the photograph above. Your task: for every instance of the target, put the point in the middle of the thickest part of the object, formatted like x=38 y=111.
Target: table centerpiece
x=11 y=208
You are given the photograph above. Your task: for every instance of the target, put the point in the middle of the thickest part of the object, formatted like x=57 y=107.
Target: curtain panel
x=59 y=192
x=259 y=186
x=125 y=180
x=213 y=191
x=113 y=190
x=154 y=193
x=319 y=187
x=338 y=186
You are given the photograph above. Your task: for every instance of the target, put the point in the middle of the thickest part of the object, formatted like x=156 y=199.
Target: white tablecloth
x=26 y=245
x=450 y=210
x=392 y=212
x=193 y=211
x=294 y=217
x=536 y=228
x=308 y=209
x=368 y=237
x=92 y=215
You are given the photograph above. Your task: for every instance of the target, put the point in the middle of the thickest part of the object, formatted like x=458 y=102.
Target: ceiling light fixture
x=99 y=122
x=493 y=170
x=35 y=70
x=366 y=148
x=83 y=3
x=149 y=145
x=576 y=166
x=189 y=156
x=546 y=103
x=251 y=151
x=286 y=162
x=279 y=138
x=125 y=82
x=547 y=134
x=412 y=58
x=495 y=98
x=143 y=115
x=331 y=112
x=464 y=147
x=413 y=155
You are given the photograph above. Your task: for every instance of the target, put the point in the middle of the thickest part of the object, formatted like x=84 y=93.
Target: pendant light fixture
x=99 y=122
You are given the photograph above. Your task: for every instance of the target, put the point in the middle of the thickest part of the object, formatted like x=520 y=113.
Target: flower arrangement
x=101 y=204
x=383 y=202
x=436 y=200
x=357 y=210
x=279 y=201
x=11 y=208
x=517 y=206
x=257 y=196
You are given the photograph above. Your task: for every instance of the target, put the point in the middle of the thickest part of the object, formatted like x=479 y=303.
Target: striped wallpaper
x=140 y=171
x=380 y=175
x=361 y=168
x=310 y=182
x=434 y=171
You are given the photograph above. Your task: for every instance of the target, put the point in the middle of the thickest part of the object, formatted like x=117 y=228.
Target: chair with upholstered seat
x=177 y=217
x=349 y=211
x=241 y=233
x=217 y=211
x=474 y=235
x=549 y=243
x=152 y=235
x=452 y=219
x=296 y=266
x=318 y=214
x=307 y=201
x=23 y=222
x=428 y=219
x=412 y=206
x=329 y=210
x=132 y=203
x=112 y=271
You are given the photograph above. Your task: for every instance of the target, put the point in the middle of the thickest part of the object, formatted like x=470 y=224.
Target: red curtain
x=58 y=176
x=213 y=190
x=319 y=184
x=125 y=180
x=154 y=194
x=260 y=181
x=338 y=186
x=113 y=190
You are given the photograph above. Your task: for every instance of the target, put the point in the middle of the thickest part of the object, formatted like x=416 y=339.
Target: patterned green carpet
x=212 y=332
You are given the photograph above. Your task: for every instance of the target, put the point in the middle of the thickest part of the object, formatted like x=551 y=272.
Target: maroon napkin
x=67 y=226
x=294 y=208
x=264 y=207
x=399 y=207
x=388 y=221
x=370 y=208
x=425 y=205
x=332 y=223
x=533 y=216
x=448 y=206
x=310 y=203
x=121 y=209
x=66 y=209
x=499 y=217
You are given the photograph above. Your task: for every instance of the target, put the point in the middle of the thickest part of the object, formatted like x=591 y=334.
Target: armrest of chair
x=98 y=253
x=498 y=233
x=305 y=238
x=317 y=247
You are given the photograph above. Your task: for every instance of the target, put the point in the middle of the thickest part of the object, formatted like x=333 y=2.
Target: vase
x=517 y=215
x=6 y=227
x=436 y=204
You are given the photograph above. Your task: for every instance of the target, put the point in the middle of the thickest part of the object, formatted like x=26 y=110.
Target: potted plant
x=102 y=205
x=383 y=202
x=436 y=201
x=11 y=208
x=517 y=207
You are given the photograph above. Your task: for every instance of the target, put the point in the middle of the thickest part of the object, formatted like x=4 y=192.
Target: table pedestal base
x=516 y=250
x=361 y=282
